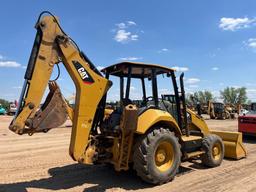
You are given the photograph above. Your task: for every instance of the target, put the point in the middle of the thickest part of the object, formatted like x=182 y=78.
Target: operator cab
x=218 y=107
x=127 y=72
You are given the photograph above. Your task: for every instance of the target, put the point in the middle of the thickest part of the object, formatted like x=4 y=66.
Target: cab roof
x=139 y=70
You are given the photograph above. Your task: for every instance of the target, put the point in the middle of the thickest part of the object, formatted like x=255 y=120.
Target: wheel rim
x=216 y=151
x=164 y=156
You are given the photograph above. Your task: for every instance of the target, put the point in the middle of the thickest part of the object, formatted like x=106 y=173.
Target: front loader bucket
x=53 y=113
x=233 y=143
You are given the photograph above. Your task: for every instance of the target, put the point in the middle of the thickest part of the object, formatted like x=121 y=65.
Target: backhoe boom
x=51 y=47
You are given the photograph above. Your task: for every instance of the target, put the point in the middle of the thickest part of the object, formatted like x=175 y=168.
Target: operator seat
x=111 y=125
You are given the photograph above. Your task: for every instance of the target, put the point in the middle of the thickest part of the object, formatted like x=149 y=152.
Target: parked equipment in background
x=232 y=110
x=2 y=110
x=247 y=124
x=217 y=110
x=253 y=106
x=12 y=108
x=247 y=121
x=155 y=136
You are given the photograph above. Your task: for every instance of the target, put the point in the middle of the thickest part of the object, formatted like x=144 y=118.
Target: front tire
x=214 y=151
x=157 y=156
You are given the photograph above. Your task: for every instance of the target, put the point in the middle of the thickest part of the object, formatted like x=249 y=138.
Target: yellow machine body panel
x=84 y=110
x=233 y=143
x=56 y=47
x=197 y=122
x=41 y=75
x=153 y=116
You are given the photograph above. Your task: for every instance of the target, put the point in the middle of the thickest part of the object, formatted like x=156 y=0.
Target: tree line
x=4 y=103
x=229 y=95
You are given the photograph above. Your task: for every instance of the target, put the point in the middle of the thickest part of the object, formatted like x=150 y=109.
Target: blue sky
x=214 y=42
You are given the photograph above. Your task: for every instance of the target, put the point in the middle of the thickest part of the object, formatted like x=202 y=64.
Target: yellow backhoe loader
x=217 y=110
x=155 y=136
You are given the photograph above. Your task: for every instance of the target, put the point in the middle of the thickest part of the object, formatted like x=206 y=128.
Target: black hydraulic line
x=33 y=55
x=99 y=115
x=143 y=89
x=154 y=87
x=55 y=19
x=184 y=107
x=177 y=99
x=92 y=66
x=121 y=88
x=127 y=93
x=56 y=78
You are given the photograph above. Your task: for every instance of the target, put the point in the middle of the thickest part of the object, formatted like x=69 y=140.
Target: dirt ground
x=41 y=163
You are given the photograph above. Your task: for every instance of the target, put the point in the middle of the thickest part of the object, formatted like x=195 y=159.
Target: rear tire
x=214 y=151
x=157 y=156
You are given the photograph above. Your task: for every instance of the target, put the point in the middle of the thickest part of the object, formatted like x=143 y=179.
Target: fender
x=153 y=116
x=198 y=123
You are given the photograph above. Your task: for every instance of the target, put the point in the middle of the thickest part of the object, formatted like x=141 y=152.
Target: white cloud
x=192 y=80
x=163 y=50
x=6 y=63
x=17 y=87
x=251 y=94
x=251 y=90
x=215 y=68
x=249 y=84
x=122 y=35
x=134 y=37
x=121 y=25
x=130 y=58
x=251 y=43
x=126 y=24
x=131 y=23
x=9 y=64
x=164 y=91
x=193 y=86
x=235 y=86
x=134 y=93
x=233 y=24
x=100 y=68
x=180 y=69
x=132 y=88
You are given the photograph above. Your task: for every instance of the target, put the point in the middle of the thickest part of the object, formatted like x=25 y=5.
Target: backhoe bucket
x=233 y=143
x=53 y=113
